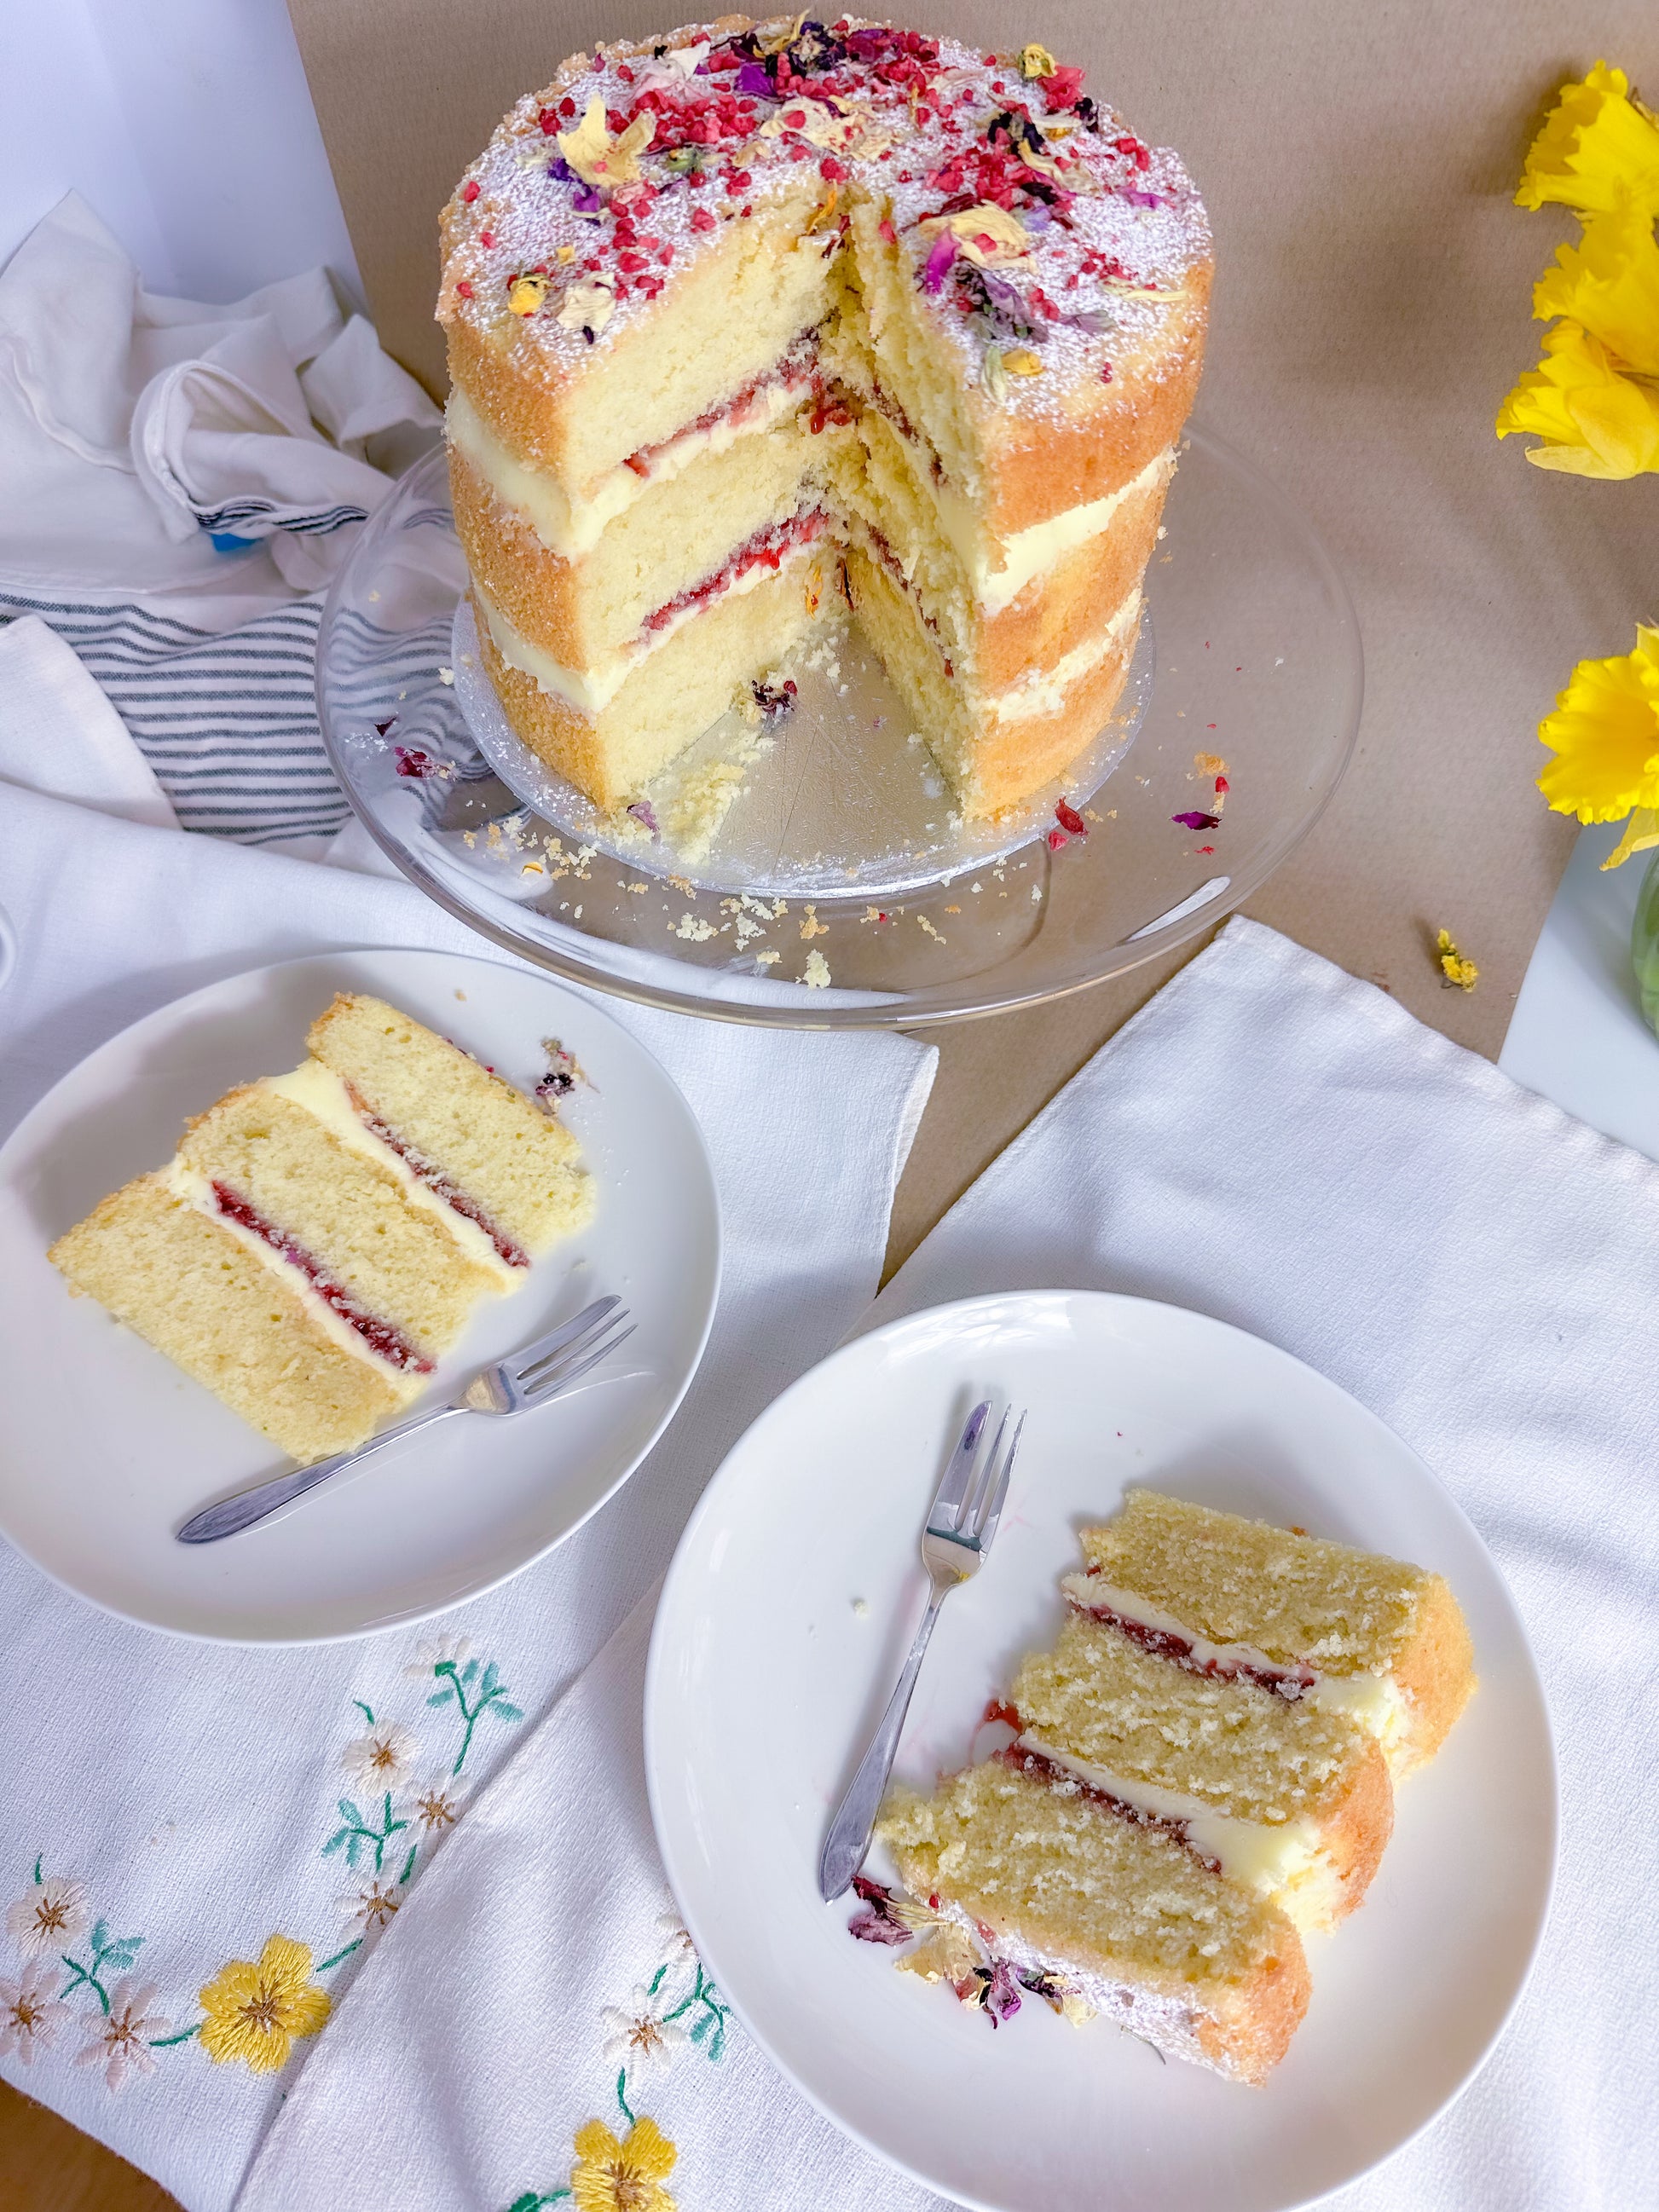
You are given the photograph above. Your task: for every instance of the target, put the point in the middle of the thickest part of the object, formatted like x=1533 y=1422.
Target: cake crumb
x=812 y=927
x=816 y=972
x=767 y=959
x=694 y=929
x=446 y=676
x=861 y=1608
x=460 y=995
x=922 y=922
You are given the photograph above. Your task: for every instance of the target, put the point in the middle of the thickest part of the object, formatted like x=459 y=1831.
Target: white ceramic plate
x=108 y=1447
x=785 y=1618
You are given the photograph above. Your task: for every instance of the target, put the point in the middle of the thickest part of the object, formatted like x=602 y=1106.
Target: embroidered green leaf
x=349 y=1812
x=341 y=1836
x=503 y=1711
x=444 y=1697
x=409 y=1863
x=367 y=1712
x=37 y=1868
x=487 y=1686
x=100 y=1936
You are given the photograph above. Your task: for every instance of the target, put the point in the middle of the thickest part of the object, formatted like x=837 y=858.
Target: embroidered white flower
x=456 y=1649
x=639 y=2038
x=121 y=2043
x=381 y=1758
x=674 y=1944
x=371 y=1907
x=30 y=2015
x=51 y=1916
x=438 y=1804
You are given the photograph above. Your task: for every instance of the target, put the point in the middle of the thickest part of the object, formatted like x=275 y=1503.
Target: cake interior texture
x=321 y=1238
x=1164 y=1804
x=758 y=324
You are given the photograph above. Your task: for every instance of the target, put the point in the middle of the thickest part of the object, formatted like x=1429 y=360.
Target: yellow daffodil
x=1604 y=734
x=1594 y=421
x=1598 y=150
x=621 y=2177
x=1641 y=832
x=1609 y=285
x=256 y=2014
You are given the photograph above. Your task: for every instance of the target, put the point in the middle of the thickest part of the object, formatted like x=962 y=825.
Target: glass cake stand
x=838 y=891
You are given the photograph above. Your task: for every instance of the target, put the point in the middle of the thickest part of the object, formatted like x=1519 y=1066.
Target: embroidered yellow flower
x=255 y=2014
x=1609 y=285
x=599 y=159
x=1594 y=421
x=1598 y=150
x=622 y=2176
x=1604 y=735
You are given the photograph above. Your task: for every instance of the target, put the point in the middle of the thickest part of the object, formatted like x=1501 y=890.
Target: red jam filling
x=429 y=1172
x=1287 y=1682
x=765 y=550
x=797 y=367
x=386 y=1342
x=1049 y=1772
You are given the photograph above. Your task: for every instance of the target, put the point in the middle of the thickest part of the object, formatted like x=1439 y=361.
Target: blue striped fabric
x=228 y=719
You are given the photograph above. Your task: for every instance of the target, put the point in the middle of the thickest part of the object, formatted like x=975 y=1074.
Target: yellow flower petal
x=527 y=294
x=987 y=233
x=1594 y=421
x=621 y=2177
x=1604 y=734
x=599 y=159
x=1598 y=150
x=595 y=2141
x=1022 y=362
x=1609 y=284
x=1641 y=832
x=1036 y=62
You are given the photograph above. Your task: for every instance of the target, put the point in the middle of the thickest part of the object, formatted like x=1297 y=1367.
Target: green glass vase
x=1644 y=944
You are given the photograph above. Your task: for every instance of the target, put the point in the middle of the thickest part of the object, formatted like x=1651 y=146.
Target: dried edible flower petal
x=1036 y=61
x=526 y=295
x=1022 y=362
x=1457 y=973
x=987 y=233
x=587 y=307
x=599 y=159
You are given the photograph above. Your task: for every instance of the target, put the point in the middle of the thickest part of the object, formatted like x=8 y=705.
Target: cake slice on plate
x=321 y=1238
x=1348 y=1631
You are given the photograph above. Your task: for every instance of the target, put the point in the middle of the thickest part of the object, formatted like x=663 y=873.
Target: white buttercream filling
x=590 y=690
x=324 y=1096
x=571 y=527
x=1044 y=692
x=1376 y=1701
x=996 y=585
x=1270 y=1857
x=195 y=1189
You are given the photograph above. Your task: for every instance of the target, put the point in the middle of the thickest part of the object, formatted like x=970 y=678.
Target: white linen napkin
x=194 y=1803
x=1274 y=1143
x=134 y=429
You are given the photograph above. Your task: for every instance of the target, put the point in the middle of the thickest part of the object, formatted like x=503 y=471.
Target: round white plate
x=782 y=1626
x=108 y=1447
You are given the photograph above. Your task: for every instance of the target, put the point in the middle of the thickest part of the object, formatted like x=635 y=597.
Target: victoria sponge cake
x=320 y=1238
x=1199 y=1771
x=756 y=321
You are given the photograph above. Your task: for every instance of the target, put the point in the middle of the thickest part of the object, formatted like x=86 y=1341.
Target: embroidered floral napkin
x=202 y=1844
x=1276 y=1144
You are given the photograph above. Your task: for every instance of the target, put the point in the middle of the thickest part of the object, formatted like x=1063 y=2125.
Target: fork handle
x=848 y=1840
x=232 y=1515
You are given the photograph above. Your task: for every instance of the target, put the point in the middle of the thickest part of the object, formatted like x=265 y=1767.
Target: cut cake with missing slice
x=321 y=1238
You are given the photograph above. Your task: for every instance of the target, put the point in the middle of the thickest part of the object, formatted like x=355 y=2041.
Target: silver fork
x=961 y=1521
x=530 y=1377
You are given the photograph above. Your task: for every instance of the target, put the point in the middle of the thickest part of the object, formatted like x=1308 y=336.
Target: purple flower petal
x=1002 y=1995
x=1143 y=199
x=561 y=171
x=753 y=83
x=588 y=202
x=640 y=810
x=939 y=261
x=872 y=1926
x=1196 y=821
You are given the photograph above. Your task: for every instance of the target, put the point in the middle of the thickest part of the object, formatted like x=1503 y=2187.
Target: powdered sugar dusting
x=1106 y=233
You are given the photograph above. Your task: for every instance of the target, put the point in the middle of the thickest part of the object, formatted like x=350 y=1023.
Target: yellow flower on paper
x=1453 y=967
x=1598 y=150
x=1604 y=734
x=255 y=2014
x=987 y=233
x=599 y=159
x=1594 y=421
x=1609 y=285
x=621 y=2177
